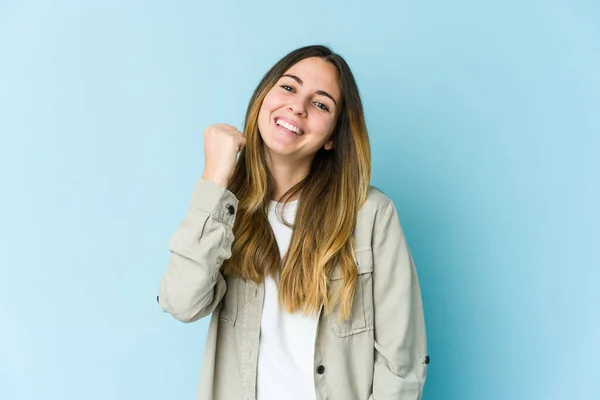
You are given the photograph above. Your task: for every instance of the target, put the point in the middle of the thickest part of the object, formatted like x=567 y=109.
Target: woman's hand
x=222 y=143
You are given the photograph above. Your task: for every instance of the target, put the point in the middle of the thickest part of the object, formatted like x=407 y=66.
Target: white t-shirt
x=287 y=341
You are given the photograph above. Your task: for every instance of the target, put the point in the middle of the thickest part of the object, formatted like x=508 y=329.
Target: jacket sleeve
x=192 y=285
x=400 y=341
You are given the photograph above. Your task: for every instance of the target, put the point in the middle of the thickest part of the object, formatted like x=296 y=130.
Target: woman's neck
x=285 y=176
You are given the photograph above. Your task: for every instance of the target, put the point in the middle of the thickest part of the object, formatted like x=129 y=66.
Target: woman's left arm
x=400 y=340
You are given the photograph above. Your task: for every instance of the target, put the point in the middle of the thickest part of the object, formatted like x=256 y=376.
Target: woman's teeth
x=289 y=127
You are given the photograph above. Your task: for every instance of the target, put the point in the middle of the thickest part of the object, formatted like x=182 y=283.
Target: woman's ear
x=329 y=145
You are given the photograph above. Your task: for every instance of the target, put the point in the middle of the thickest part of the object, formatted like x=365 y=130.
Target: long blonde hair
x=329 y=199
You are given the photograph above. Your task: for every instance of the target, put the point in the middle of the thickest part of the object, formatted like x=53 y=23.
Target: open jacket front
x=380 y=353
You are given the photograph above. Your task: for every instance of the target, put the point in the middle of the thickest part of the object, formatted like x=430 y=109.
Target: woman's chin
x=280 y=151
x=276 y=146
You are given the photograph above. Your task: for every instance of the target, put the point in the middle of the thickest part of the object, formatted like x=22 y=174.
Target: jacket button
x=157 y=300
x=320 y=369
x=427 y=359
x=231 y=209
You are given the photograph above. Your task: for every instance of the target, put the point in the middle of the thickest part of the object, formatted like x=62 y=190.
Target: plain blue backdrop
x=484 y=123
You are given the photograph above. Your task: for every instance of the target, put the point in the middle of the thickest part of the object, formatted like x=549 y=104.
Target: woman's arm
x=192 y=286
x=400 y=341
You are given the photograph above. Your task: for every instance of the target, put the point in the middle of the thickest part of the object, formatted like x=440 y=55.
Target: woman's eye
x=322 y=106
x=287 y=88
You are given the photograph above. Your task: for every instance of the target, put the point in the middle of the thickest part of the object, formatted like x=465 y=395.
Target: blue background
x=484 y=121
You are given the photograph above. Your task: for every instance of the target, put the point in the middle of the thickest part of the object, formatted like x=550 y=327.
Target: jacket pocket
x=361 y=318
x=229 y=303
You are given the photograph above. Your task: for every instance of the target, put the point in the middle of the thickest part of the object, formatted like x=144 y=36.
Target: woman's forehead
x=317 y=74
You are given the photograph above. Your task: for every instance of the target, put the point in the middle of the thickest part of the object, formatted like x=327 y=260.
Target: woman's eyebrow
x=321 y=92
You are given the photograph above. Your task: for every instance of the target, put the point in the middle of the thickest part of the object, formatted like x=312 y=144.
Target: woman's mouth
x=288 y=126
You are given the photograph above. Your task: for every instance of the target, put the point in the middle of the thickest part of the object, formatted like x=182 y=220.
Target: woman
x=303 y=266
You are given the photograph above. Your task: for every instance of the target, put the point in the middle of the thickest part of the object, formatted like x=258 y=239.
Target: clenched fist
x=222 y=143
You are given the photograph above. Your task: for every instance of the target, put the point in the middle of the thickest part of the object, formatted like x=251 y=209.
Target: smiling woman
x=302 y=264
x=295 y=108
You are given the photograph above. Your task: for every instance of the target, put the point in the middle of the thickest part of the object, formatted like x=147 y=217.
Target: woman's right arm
x=192 y=285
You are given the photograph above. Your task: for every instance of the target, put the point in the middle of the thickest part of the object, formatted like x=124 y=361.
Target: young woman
x=301 y=263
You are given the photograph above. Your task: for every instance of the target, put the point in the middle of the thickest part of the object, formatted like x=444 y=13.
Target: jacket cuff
x=215 y=200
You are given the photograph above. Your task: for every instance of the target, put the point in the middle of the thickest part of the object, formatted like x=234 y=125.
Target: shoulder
x=377 y=200
x=377 y=209
x=378 y=213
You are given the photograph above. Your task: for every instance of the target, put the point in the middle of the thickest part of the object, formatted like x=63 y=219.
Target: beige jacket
x=379 y=354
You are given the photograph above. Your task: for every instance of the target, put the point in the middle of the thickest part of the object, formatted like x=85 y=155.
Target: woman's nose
x=298 y=108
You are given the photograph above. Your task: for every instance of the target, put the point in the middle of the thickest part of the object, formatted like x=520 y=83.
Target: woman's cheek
x=276 y=97
x=325 y=127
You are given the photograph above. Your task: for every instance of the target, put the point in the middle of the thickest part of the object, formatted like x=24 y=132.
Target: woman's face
x=299 y=113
